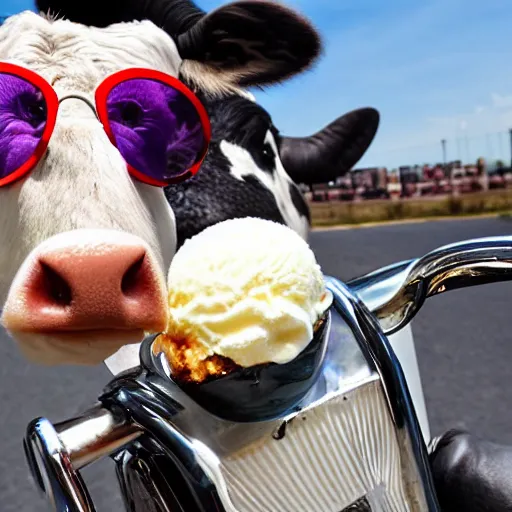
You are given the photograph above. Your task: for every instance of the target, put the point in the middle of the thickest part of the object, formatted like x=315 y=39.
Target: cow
x=251 y=169
x=84 y=245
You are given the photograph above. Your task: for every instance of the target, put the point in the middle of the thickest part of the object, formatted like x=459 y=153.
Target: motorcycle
x=337 y=432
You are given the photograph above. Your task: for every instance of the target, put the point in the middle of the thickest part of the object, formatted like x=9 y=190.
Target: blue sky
x=433 y=68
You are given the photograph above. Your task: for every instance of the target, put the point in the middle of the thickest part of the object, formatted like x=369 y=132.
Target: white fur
x=82 y=182
x=242 y=164
x=250 y=96
x=82 y=56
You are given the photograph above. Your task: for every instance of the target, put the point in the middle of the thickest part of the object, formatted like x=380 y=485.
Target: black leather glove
x=472 y=475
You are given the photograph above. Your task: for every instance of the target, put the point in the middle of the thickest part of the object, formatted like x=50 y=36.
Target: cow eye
x=37 y=111
x=267 y=150
x=131 y=114
x=33 y=108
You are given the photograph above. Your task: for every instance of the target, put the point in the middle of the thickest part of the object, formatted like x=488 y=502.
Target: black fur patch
x=299 y=202
x=215 y=195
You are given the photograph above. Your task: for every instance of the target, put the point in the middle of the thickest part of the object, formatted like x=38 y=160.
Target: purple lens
x=157 y=129
x=23 y=116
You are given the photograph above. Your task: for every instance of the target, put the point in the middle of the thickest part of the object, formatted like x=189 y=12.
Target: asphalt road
x=463 y=340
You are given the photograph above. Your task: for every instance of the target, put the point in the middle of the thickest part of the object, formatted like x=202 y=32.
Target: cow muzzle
x=81 y=295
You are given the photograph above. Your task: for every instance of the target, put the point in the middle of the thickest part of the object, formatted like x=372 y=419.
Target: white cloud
x=493 y=117
x=500 y=101
x=483 y=131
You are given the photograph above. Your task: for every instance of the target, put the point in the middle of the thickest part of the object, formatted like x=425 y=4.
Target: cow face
x=242 y=175
x=86 y=244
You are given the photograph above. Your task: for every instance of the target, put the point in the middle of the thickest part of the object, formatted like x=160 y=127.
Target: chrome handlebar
x=56 y=453
x=396 y=293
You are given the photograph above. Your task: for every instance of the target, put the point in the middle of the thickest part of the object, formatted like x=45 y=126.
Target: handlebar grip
x=395 y=294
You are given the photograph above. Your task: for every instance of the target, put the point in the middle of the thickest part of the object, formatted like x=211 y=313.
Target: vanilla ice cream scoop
x=246 y=289
x=248 y=321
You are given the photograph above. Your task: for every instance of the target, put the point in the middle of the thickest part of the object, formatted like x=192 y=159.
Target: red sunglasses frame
x=101 y=95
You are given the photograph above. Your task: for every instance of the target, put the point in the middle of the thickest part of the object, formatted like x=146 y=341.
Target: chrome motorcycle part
x=353 y=437
x=396 y=293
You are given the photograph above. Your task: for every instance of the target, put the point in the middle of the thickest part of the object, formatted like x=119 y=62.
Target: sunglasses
x=155 y=121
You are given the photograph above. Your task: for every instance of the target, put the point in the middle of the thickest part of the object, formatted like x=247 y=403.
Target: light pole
x=443 y=144
x=510 y=147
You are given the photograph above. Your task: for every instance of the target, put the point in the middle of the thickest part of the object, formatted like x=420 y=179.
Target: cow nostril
x=132 y=279
x=55 y=286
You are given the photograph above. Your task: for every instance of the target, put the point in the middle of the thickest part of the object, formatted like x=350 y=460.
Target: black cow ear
x=252 y=43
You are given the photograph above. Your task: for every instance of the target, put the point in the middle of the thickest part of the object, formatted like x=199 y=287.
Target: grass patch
x=339 y=213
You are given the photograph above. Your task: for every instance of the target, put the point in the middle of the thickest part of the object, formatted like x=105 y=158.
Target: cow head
x=87 y=245
x=251 y=169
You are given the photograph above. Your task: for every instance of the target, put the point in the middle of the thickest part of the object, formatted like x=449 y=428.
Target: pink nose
x=105 y=281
